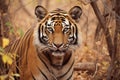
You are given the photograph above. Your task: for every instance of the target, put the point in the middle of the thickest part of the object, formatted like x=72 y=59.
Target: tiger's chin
x=57 y=58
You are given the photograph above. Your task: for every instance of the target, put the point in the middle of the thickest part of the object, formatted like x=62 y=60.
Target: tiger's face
x=57 y=32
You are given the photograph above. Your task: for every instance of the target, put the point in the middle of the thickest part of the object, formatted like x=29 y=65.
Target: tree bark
x=114 y=71
x=89 y=66
x=0 y=31
x=104 y=27
x=3 y=30
x=4 y=18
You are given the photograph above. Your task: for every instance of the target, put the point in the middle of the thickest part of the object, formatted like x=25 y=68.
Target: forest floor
x=101 y=61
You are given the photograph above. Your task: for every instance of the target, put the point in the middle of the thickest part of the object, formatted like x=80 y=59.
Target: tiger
x=46 y=51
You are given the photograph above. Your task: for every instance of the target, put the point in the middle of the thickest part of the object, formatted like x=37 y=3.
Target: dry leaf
x=5 y=42
x=7 y=59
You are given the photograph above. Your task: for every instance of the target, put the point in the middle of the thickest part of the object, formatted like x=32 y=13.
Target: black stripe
x=17 y=63
x=67 y=70
x=76 y=40
x=70 y=76
x=24 y=48
x=73 y=31
x=39 y=36
x=16 y=78
x=42 y=29
x=27 y=49
x=43 y=74
x=44 y=63
x=15 y=45
x=22 y=42
x=70 y=24
x=33 y=76
x=46 y=23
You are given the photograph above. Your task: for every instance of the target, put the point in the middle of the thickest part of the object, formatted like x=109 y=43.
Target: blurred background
x=18 y=16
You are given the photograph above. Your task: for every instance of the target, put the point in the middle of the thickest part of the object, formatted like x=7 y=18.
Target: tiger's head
x=56 y=34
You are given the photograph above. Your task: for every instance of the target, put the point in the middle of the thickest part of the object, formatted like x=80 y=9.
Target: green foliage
x=20 y=32
x=1 y=49
x=8 y=58
x=8 y=24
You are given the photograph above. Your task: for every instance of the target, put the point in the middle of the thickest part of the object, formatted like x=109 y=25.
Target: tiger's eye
x=50 y=29
x=66 y=30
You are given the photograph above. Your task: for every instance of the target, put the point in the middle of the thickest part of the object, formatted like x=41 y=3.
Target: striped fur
x=45 y=52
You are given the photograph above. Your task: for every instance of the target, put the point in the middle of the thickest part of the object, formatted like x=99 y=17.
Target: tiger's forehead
x=58 y=13
x=58 y=17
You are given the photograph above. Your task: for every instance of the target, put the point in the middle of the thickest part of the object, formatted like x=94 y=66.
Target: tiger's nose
x=58 y=45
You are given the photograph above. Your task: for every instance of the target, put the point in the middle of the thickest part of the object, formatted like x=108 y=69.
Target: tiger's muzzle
x=58 y=54
x=58 y=47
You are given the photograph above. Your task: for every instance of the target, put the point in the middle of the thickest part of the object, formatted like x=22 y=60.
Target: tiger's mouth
x=58 y=58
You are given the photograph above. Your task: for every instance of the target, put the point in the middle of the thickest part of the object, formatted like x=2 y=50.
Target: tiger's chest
x=37 y=69
x=37 y=72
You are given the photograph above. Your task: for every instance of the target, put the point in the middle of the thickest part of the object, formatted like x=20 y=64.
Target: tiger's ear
x=75 y=12
x=40 y=12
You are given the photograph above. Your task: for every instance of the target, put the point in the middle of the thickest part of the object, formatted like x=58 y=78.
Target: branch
x=85 y=66
x=24 y=8
x=105 y=29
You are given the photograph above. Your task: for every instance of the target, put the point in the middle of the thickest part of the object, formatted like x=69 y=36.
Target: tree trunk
x=114 y=71
x=0 y=31
x=4 y=17
x=104 y=27
x=5 y=31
